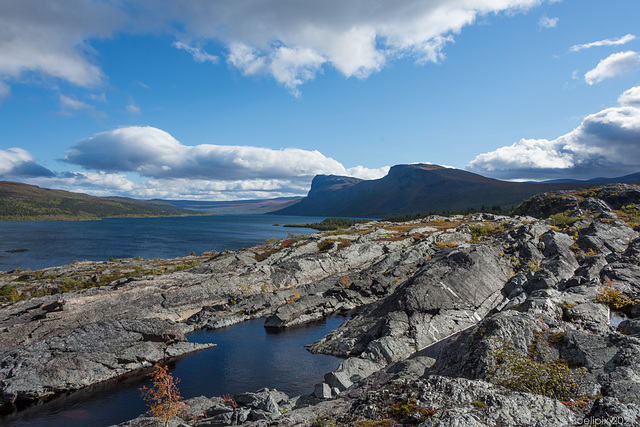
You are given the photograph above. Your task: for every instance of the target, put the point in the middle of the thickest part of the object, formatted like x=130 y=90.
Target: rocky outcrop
x=263 y=405
x=452 y=321
x=62 y=342
x=71 y=359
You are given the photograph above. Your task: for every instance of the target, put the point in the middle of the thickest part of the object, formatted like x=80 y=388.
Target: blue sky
x=219 y=100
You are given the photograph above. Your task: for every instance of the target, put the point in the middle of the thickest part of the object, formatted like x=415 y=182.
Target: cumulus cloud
x=154 y=153
x=18 y=162
x=615 y=65
x=630 y=97
x=52 y=38
x=606 y=42
x=120 y=184
x=294 y=40
x=605 y=144
x=546 y=22
x=289 y=40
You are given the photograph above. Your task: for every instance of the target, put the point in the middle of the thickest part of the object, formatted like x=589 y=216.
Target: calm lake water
x=40 y=244
x=247 y=358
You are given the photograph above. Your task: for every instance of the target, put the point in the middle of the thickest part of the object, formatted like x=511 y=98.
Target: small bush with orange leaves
x=614 y=298
x=163 y=397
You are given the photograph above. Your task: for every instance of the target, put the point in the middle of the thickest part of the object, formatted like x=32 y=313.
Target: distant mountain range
x=407 y=190
x=20 y=202
x=634 y=177
x=420 y=189
x=257 y=206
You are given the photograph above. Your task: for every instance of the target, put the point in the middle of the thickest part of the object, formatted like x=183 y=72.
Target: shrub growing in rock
x=562 y=220
x=522 y=373
x=613 y=298
x=163 y=397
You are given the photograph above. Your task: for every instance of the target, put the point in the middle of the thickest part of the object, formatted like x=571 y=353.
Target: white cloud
x=294 y=40
x=133 y=108
x=154 y=153
x=292 y=67
x=246 y=59
x=630 y=97
x=605 y=144
x=615 y=65
x=546 y=22
x=120 y=184
x=67 y=103
x=18 y=162
x=52 y=38
x=289 y=40
x=366 y=173
x=606 y=42
x=199 y=55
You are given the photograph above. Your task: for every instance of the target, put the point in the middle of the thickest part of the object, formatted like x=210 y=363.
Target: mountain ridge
x=416 y=189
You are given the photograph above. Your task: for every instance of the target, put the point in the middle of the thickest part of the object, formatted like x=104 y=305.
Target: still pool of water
x=248 y=357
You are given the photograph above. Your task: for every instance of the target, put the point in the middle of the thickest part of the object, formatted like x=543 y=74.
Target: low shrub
x=519 y=372
x=613 y=298
x=562 y=220
x=484 y=230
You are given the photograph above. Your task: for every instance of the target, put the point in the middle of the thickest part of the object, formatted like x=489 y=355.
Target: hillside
x=19 y=202
x=413 y=190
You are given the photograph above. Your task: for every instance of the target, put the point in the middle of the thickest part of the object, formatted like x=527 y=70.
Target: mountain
x=20 y=202
x=630 y=179
x=257 y=206
x=413 y=190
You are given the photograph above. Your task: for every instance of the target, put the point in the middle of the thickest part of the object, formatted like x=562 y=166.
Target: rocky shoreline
x=474 y=320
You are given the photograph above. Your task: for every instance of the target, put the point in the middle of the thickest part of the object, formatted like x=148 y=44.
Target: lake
x=248 y=357
x=41 y=244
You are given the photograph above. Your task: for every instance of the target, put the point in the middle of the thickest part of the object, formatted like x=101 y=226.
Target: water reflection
x=247 y=358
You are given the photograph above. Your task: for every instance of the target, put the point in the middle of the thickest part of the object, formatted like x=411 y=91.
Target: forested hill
x=20 y=202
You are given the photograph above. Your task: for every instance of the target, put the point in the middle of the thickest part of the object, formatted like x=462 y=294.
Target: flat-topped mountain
x=20 y=201
x=413 y=190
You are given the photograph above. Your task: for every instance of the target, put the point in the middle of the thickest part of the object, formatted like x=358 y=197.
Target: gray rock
x=611 y=410
x=591 y=315
x=322 y=391
x=351 y=371
x=451 y=292
x=89 y=354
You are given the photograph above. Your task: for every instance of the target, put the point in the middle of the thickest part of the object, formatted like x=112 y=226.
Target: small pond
x=248 y=357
